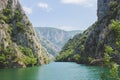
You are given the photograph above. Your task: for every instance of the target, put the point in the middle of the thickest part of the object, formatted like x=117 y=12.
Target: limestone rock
x=16 y=33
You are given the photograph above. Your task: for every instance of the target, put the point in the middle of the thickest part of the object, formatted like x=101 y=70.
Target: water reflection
x=53 y=71
x=19 y=74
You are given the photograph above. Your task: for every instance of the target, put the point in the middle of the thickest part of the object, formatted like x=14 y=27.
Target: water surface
x=53 y=71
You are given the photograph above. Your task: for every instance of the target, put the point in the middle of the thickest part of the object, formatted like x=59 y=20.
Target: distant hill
x=54 y=39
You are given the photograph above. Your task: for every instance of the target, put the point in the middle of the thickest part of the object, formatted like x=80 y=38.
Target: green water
x=53 y=71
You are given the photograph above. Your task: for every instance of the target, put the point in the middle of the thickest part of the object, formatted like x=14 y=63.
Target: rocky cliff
x=19 y=46
x=94 y=40
x=102 y=34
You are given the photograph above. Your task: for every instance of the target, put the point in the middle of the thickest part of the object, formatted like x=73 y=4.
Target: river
x=53 y=71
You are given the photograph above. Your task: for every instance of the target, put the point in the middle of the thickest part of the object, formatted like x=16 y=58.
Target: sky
x=63 y=14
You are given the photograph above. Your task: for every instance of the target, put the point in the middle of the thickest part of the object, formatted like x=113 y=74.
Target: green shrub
x=7 y=55
x=26 y=51
x=20 y=27
x=3 y=61
x=29 y=61
x=6 y=11
x=82 y=48
x=113 y=4
x=2 y=17
x=2 y=57
x=7 y=15
x=113 y=66
x=76 y=58
x=28 y=58
x=108 y=51
x=64 y=56
x=116 y=28
x=90 y=59
x=17 y=15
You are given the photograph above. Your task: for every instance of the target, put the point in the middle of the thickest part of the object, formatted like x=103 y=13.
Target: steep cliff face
x=19 y=44
x=103 y=8
x=100 y=34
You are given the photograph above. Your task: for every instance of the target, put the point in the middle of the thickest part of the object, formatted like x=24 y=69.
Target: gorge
x=24 y=57
x=54 y=39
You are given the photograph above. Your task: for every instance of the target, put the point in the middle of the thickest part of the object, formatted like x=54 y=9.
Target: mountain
x=74 y=32
x=19 y=45
x=100 y=40
x=54 y=39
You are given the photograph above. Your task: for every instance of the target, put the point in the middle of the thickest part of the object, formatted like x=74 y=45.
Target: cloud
x=27 y=10
x=85 y=3
x=70 y=28
x=44 y=6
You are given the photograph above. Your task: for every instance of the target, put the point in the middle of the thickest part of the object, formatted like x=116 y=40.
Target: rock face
x=99 y=35
x=54 y=39
x=102 y=35
x=103 y=8
x=19 y=44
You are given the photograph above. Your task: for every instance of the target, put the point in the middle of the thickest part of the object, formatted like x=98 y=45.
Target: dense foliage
x=28 y=57
x=113 y=66
x=8 y=17
x=7 y=56
x=67 y=52
x=116 y=28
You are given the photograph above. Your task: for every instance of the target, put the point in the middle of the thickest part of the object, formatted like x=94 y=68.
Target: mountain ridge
x=53 y=39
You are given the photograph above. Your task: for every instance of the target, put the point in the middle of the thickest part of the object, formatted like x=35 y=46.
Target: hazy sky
x=63 y=14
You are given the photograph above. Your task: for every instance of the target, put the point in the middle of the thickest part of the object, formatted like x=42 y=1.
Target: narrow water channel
x=53 y=71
